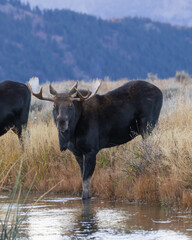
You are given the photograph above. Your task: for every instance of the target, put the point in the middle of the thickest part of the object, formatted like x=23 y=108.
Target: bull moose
x=15 y=101
x=87 y=122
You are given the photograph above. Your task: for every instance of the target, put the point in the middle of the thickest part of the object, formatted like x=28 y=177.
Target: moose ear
x=52 y=90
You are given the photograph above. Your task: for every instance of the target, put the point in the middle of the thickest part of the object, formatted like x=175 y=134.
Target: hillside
x=61 y=44
x=177 y=12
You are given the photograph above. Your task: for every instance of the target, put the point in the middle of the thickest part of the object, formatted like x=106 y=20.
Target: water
x=60 y=218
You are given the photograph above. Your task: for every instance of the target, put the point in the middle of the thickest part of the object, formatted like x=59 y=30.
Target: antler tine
x=40 y=94
x=73 y=89
x=83 y=98
x=95 y=87
x=52 y=90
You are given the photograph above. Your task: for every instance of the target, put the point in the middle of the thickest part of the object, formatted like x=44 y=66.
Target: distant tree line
x=61 y=44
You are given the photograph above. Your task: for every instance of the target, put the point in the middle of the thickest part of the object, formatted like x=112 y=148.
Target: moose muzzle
x=62 y=124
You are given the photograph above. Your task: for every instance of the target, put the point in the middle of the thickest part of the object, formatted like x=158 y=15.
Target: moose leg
x=89 y=162
x=79 y=159
x=21 y=132
x=21 y=126
x=17 y=129
x=145 y=127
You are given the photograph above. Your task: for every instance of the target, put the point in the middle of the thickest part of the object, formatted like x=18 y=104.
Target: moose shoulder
x=88 y=122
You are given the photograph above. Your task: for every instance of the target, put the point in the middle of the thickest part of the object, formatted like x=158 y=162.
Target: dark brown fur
x=105 y=121
x=15 y=101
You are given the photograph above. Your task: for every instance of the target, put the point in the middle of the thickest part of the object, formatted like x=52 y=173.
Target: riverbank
x=158 y=169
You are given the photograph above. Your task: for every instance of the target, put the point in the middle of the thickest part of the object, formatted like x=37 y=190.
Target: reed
x=10 y=226
x=158 y=169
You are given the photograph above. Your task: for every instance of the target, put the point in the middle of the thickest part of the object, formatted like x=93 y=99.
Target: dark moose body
x=85 y=126
x=15 y=101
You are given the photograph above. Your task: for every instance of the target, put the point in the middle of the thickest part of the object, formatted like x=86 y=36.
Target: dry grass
x=158 y=169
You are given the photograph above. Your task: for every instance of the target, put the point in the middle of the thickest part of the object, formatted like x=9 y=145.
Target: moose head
x=66 y=107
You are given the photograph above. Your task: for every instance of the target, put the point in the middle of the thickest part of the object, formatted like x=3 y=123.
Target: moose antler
x=40 y=94
x=81 y=97
x=73 y=89
x=52 y=90
x=95 y=87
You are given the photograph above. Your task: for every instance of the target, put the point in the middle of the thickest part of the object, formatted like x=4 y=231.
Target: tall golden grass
x=158 y=169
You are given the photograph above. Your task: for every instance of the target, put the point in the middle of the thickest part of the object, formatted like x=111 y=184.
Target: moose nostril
x=61 y=121
x=59 y=118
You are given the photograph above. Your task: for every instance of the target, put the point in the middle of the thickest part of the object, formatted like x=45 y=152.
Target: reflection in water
x=69 y=218
x=49 y=224
x=86 y=222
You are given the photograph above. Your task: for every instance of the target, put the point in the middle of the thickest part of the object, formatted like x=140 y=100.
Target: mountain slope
x=57 y=45
x=177 y=12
